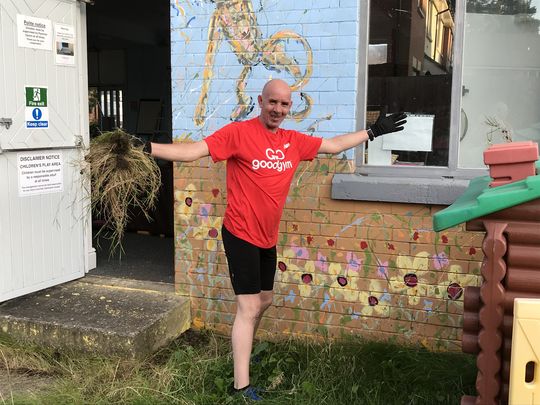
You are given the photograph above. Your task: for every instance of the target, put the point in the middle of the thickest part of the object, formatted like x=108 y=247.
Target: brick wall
x=345 y=267
x=375 y=269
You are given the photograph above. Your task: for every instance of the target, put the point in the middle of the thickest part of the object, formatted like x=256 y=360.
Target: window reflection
x=501 y=76
x=410 y=69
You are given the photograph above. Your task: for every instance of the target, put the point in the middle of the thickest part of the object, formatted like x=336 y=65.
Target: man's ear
x=259 y=99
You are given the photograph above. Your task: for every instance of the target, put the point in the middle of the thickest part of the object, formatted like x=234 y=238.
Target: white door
x=44 y=223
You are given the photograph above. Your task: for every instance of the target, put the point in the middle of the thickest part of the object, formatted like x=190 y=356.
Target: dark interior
x=129 y=79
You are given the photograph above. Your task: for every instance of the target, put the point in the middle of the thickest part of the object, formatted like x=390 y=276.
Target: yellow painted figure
x=236 y=22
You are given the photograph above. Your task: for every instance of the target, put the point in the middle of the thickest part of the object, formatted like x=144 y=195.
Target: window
x=468 y=74
x=415 y=77
x=501 y=76
x=107 y=81
x=106 y=109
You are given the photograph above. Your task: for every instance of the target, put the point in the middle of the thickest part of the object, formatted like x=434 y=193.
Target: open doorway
x=130 y=88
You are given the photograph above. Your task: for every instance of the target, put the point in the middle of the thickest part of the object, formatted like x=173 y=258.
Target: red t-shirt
x=260 y=168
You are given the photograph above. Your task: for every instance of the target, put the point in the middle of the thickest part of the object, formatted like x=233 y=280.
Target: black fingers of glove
x=387 y=124
x=399 y=119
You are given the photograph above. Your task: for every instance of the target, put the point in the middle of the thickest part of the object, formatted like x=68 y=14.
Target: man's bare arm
x=384 y=125
x=179 y=152
x=340 y=143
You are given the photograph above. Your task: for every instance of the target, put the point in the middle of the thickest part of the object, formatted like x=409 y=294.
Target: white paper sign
x=35 y=33
x=40 y=173
x=416 y=136
x=64 y=39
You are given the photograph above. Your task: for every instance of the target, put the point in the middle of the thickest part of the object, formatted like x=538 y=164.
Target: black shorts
x=252 y=269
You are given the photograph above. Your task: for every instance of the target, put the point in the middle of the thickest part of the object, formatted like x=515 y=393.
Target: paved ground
x=99 y=315
x=146 y=258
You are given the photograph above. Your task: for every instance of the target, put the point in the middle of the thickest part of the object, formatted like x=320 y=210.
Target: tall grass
x=197 y=369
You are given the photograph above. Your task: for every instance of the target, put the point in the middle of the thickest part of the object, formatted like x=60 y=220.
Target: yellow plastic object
x=525 y=358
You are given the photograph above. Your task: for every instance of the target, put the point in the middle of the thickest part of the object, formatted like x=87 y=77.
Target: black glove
x=147 y=147
x=385 y=125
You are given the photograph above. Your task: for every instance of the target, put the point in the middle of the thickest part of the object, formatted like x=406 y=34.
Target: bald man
x=261 y=161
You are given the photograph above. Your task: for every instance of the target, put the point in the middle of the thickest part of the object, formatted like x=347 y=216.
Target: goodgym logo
x=276 y=161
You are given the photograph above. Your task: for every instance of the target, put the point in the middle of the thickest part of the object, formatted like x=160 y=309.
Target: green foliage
x=501 y=7
x=197 y=369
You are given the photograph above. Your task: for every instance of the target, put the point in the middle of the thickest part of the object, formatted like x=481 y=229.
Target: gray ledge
x=442 y=191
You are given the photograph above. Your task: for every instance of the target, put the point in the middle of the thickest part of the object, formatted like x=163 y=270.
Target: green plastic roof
x=479 y=199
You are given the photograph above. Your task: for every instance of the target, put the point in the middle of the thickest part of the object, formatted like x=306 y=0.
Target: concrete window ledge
x=441 y=191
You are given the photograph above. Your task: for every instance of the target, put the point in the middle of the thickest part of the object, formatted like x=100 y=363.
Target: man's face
x=275 y=103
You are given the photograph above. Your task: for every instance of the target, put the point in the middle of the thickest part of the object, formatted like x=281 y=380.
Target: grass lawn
x=197 y=369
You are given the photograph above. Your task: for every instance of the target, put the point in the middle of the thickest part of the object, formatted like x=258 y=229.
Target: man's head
x=275 y=103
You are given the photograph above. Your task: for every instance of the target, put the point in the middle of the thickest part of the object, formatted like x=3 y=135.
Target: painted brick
x=374 y=233
x=288 y=215
x=470 y=239
x=320 y=29
x=314 y=178
x=466 y=253
x=347 y=3
x=361 y=232
x=322 y=217
x=299 y=189
x=335 y=42
x=340 y=231
x=349 y=29
x=302 y=216
x=303 y=228
x=473 y=267
x=388 y=247
x=303 y=203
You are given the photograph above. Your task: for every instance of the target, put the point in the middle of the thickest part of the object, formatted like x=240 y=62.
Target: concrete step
x=99 y=315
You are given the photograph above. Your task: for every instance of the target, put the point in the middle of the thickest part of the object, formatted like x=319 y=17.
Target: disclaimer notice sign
x=40 y=173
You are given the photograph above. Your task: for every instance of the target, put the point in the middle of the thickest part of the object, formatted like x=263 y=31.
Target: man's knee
x=254 y=307
x=251 y=309
x=266 y=300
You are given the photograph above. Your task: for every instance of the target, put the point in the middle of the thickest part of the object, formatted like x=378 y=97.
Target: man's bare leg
x=249 y=310
x=266 y=301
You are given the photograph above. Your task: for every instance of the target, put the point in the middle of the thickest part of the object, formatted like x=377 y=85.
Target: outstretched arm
x=384 y=125
x=340 y=143
x=178 y=152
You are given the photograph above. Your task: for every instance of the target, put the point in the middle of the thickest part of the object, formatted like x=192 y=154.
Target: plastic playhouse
x=506 y=206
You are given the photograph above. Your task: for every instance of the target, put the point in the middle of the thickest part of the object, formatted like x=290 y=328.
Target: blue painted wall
x=328 y=27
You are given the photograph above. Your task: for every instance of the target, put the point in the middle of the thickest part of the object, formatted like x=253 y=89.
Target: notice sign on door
x=36 y=112
x=40 y=173
x=35 y=33
x=64 y=38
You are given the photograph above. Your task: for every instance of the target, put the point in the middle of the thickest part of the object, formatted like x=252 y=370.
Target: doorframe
x=90 y=260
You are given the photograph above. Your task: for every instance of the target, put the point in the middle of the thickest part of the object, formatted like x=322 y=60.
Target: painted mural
x=235 y=22
x=226 y=50
x=378 y=272
x=344 y=266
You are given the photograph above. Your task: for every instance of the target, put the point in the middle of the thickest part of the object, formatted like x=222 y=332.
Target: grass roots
x=123 y=177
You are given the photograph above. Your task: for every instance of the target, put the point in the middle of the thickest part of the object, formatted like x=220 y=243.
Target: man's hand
x=386 y=125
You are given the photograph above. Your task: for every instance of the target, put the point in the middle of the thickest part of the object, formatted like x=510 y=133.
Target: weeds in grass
x=197 y=369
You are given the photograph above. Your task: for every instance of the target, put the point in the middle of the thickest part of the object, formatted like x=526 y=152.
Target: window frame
x=451 y=170
x=433 y=185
